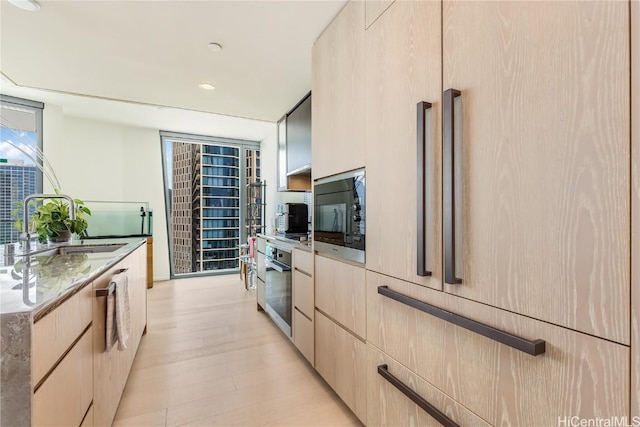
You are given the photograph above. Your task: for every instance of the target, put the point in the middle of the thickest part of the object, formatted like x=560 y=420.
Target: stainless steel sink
x=88 y=249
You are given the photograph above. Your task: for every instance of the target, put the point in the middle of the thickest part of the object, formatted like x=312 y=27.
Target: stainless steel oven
x=339 y=219
x=278 y=295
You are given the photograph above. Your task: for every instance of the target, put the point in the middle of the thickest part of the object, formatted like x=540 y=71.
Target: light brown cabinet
x=65 y=395
x=303 y=303
x=577 y=375
x=338 y=94
x=111 y=369
x=542 y=148
x=340 y=360
x=389 y=404
x=635 y=207
x=340 y=293
x=403 y=63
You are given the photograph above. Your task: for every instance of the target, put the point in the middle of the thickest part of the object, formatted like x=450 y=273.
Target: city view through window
x=20 y=141
x=206 y=209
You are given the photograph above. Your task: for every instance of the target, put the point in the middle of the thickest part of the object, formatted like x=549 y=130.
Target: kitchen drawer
x=261 y=293
x=261 y=244
x=340 y=360
x=303 y=292
x=65 y=395
x=303 y=335
x=54 y=333
x=303 y=260
x=578 y=375
x=340 y=293
x=387 y=405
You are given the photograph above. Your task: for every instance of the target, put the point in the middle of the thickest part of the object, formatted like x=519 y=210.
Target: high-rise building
x=206 y=206
x=17 y=181
x=181 y=207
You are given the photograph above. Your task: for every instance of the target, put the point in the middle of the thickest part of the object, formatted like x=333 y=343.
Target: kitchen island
x=51 y=313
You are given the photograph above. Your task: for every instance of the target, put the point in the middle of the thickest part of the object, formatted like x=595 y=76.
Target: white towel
x=118 y=322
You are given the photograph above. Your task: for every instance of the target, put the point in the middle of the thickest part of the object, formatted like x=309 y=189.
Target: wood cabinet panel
x=387 y=406
x=545 y=158
x=578 y=375
x=303 y=260
x=149 y=262
x=88 y=418
x=403 y=63
x=373 y=9
x=55 y=332
x=340 y=293
x=64 y=397
x=635 y=206
x=303 y=335
x=111 y=369
x=340 y=360
x=303 y=292
x=338 y=94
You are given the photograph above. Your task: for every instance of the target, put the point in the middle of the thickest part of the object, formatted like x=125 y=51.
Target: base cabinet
x=111 y=369
x=65 y=395
x=389 y=404
x=340 y=360
x=577 y=375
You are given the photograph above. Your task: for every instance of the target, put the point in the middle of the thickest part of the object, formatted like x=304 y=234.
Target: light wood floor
x=210 y=359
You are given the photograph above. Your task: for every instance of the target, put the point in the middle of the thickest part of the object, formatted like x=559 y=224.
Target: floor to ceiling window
x=205 y=183
x=20 y=159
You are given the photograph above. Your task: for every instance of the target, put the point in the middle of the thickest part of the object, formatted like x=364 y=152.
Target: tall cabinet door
x=403 y=63
x=541 y=159
x=338 y=94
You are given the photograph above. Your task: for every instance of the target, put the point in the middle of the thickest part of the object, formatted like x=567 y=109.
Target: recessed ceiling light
x=206 y=86
x=30 y=5
x=215 y=47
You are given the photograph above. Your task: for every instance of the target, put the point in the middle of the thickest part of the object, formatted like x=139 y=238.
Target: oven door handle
x=277 y=265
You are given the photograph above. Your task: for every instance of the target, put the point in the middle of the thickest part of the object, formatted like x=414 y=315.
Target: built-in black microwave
x=339 y=219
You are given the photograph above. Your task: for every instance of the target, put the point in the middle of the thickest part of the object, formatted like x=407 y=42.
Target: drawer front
x=340 y=360
x=303 y=292
x=340 y=293
x=64 y=397
x=303 y=336
x=261 y=244
x=578 y=375
x=387 y=405
x=303 y=260
x=55 y=332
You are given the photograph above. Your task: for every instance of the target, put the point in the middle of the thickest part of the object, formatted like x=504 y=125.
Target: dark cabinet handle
x=439 y=416
x=422 y=189
x=534 y=348
x=448 y=182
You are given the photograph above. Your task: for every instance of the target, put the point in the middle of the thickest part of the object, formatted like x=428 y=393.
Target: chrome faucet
x=26 y=236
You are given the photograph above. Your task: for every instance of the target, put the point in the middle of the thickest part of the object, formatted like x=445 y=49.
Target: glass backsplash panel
x=119 y=219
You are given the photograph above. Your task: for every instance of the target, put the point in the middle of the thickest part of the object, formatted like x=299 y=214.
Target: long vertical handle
x=422 y=189
x=383 y=371
x=448 y=181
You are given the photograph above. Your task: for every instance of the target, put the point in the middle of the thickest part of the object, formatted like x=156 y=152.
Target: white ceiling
x=155 y=52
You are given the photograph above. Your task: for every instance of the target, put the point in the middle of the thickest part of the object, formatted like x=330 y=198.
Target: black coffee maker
x=296 y=218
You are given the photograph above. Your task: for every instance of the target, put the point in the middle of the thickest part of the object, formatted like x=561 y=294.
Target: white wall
x=100 y=160
x=96 y=160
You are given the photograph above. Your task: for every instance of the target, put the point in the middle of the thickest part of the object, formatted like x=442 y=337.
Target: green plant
x=52 y=218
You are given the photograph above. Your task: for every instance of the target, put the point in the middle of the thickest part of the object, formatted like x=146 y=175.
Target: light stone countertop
x=305 y=246
x=54 y=276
